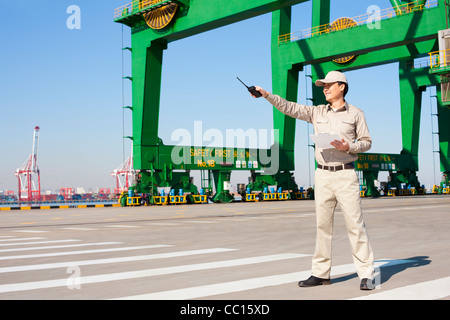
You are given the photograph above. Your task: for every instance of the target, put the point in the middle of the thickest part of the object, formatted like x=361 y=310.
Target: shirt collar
x=345 y=106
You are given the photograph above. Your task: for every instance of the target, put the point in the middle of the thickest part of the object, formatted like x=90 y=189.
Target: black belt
x=337 y=168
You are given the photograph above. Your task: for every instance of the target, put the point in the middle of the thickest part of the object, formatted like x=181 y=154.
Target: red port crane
x=124 y=175
x=28 y=174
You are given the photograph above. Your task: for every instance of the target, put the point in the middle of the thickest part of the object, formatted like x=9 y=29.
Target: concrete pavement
x=235 y=251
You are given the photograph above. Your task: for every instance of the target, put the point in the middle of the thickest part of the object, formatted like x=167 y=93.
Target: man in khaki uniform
x=336 y=180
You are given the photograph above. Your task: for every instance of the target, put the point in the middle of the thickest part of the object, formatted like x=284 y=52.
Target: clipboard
x=323 y=140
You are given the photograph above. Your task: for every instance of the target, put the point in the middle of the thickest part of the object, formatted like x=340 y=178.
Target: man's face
x=333 y=91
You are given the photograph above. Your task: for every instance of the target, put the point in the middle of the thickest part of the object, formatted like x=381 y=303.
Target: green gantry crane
x=406 y=31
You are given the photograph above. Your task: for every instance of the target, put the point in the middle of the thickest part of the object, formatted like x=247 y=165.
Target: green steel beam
x=320 y=17
x=395 y=3
x=421 y=26
x=444 y=133
x=285 y=84
x=205 y=15
x=410 y=105
x=385 y=56
x=320 y=12
x=146 y=68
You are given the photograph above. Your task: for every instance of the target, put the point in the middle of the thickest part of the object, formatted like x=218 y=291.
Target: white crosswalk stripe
x=166 y=262
x=58 y=247
x=111 y=260
x=120 y=226
x=19 y=239
x=200 y=221
x=36 y=242
x=428 y=290
x=143 y=273
x=247 y=284
x=65 y=253
x=162 y=224
x=79 y=229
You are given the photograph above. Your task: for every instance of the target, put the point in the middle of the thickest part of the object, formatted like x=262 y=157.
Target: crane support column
x=146 y=98
x=410 y=103
x=284 y=84
x=444 y=136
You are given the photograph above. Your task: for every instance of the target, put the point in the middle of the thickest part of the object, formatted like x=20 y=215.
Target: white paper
x=323 y=140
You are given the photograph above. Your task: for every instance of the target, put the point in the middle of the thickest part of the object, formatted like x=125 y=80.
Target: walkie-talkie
x=251 y=89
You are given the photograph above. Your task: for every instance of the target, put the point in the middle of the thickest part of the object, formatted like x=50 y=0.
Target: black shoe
x=314 y=281
x=367 y=284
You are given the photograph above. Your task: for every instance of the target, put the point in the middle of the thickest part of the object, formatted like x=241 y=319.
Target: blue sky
x=69 y=83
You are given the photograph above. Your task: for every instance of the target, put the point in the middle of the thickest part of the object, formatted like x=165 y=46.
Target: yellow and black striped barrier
x=65 y=206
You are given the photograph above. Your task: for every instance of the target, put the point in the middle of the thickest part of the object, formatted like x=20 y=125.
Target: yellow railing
x=360 y=20
x=439 y=59
x=126 y=9
x=135 y=6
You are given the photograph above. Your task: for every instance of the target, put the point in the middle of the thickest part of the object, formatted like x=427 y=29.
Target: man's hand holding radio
x=263 y=92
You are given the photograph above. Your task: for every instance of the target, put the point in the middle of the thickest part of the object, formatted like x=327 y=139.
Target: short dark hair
x=346 y=87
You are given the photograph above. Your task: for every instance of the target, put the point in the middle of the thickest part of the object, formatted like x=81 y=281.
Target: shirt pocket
x=348 y=127
x=322 y=125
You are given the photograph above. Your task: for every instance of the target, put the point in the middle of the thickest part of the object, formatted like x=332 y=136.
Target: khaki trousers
x=332 y=188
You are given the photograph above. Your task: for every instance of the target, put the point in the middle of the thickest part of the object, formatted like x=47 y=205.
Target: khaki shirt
x=349 y=122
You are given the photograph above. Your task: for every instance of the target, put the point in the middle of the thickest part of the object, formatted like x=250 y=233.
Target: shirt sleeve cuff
x=352 y=148
x=270 y=98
